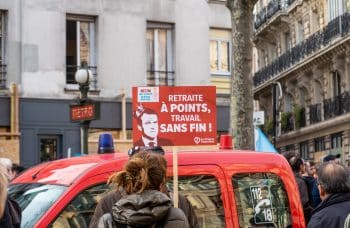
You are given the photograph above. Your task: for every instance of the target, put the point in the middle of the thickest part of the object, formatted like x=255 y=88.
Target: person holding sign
x=147 y=123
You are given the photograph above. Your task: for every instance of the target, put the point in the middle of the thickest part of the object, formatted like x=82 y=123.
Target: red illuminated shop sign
x=84 y=112
x=174 y=116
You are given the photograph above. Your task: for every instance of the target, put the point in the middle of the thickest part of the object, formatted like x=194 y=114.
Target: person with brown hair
x=143 y=204
x=107 y=202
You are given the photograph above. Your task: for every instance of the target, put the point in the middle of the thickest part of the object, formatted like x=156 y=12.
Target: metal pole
x=84 y=128
x=84 y=125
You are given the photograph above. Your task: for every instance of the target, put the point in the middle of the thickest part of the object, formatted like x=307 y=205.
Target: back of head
x=294 y=160
x=144 y=171
x=6 y=162
x=334 y=178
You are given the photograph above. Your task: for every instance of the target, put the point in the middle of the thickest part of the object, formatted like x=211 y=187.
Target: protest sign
x=174 y=116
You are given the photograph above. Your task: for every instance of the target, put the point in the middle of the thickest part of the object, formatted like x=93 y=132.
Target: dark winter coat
x=304 y=196
x=331 y=212
x=149 y=209
x=12 y=215
x=106 y=203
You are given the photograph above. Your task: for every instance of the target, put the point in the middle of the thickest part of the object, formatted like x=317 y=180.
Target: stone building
x=302 y=74
x=125 y=43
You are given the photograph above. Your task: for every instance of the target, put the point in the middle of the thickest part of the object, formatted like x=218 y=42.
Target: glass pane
x=162 y=50
x=224 y=58
x=204 y=194
x=71 y=50
x=213 y=56
x=79 y=212
x=29 y=196
x=84 y=43
x=261 y=200
x=150 y=49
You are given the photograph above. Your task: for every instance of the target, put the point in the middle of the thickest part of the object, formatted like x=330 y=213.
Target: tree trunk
x=241 y=110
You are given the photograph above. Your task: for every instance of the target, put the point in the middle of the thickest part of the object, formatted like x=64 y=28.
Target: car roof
x=66 y=171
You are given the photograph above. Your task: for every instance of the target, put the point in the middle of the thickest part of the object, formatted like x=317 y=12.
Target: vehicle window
x=29 y=196
x=203 y=192
x=79 y=212
x=261 y=200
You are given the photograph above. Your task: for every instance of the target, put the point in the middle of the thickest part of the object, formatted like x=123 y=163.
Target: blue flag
x=262 y=143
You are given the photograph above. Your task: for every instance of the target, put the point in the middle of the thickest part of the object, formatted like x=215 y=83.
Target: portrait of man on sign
x=147 y=124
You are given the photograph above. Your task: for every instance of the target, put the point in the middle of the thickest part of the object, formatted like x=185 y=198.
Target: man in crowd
x=106 y=203
x=334 y=188
x=298 y=167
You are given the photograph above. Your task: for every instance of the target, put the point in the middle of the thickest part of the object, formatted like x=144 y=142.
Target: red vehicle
x=227 y=189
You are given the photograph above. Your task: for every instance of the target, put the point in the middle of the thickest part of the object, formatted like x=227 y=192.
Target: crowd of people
x=324 y=190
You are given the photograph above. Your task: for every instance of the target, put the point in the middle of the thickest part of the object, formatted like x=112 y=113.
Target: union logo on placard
x=197 y=140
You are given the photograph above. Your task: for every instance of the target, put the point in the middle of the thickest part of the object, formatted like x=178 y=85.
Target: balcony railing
x=337 y=106
x=3 y=76
x=340 y=26
x=315 y=113
x=260 y=18
x=160 y=78
x=290 y=2
x=272 y=8
x=70 y=74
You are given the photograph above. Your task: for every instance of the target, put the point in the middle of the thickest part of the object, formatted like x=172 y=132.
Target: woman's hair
x=3 y=189
x=144 y=171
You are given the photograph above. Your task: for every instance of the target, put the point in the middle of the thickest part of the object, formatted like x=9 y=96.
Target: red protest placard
x=174 y=116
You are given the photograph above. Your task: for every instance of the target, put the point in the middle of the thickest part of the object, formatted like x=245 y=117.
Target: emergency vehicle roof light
x=226 y=142
x=105 y=143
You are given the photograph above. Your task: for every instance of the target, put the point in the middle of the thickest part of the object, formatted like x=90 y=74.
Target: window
x=160 y=67
x=261 y=200
x=299 y=32
x=29 y=196
x=220 y=57
x=79 y=212
x=319 y=144
x=2 y=50
x=204 y=193
x=287 y=41
x=336 y=140
x=304 y=150
x=80 y=46
x=290 y=147
x=336 y=83
x=335 y=8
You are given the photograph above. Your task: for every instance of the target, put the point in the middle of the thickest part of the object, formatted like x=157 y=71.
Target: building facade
x=124 y=43
x=302 y=74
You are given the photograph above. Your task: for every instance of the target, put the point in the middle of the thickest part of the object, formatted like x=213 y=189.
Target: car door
x=204 y=186
x=263 y=196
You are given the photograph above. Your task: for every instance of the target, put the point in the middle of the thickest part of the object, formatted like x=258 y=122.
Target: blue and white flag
x=262 y=143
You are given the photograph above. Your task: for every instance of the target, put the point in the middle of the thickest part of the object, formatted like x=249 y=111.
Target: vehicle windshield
x=34 y=199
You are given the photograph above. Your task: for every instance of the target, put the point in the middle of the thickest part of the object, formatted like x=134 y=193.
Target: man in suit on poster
x=147 y=123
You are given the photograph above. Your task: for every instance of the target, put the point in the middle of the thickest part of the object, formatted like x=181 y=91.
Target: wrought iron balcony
x=3 y=76
x=315 y=113
x=162 y=78
x=287 y=122
x=290 y=2
x=70 y=72
x=340 y=26
x=260 y=18
x=336 y=106
x=273 y=7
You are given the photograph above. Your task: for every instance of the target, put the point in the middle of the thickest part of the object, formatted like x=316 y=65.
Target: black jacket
x=12 y=215
x=149 y=209
x=331 y=212
x=107 y=202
